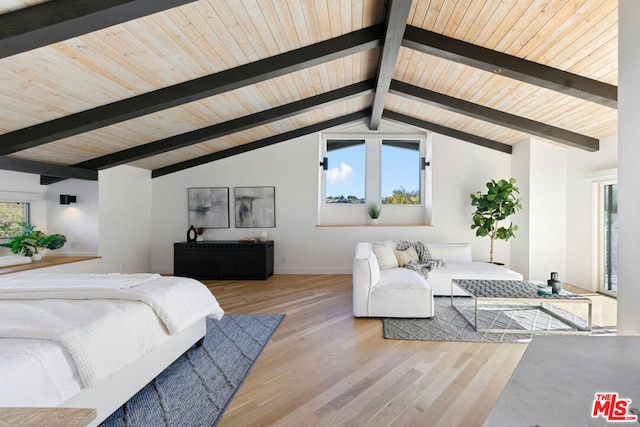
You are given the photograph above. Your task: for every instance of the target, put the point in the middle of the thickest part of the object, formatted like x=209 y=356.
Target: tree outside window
x=400 y=172
x=11 y=214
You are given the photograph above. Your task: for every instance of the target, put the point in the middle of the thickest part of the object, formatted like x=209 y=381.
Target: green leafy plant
x=31 y=241
x=374 y=211
x=497 y=204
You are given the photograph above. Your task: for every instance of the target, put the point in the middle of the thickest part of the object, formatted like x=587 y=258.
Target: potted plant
x=31 y=241
x=497 y=204
x=374 y=212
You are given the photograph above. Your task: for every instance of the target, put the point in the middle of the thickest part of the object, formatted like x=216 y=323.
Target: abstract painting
x=255 y=207
x=209 y=207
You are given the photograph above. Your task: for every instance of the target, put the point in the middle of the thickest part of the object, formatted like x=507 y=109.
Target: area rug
x=198 y=386
x=449 y=325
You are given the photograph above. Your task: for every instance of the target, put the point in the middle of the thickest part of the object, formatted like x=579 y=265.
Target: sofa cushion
x=401 y=293
x=460 y=252
x=406 y=256
x=386 y=256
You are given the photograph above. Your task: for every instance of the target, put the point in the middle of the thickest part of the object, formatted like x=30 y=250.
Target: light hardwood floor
x=324 y=367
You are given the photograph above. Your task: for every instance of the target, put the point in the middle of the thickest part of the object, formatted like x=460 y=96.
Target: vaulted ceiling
x=170 y=84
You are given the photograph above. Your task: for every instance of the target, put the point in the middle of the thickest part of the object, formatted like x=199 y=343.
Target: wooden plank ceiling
x=189 y=82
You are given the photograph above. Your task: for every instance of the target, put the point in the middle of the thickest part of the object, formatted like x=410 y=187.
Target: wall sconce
x=325 y=163
x=66 y=199
x=424 y=163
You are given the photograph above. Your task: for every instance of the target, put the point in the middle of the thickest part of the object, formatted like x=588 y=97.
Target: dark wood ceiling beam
x=203 y=87
x=261 y=143
x=396 y=22
x=54 y=21
x=443 y=130
x=497 y=117
x=510 y=66
x=41 y=168
x=228 y=127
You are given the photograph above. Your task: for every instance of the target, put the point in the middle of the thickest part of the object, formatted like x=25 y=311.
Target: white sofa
x=394 y=291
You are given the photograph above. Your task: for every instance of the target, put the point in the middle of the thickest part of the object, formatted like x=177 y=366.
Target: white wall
x=77 y=221
x=540 y=245
x=628 y=170
x=581 y=236
x=459 y=169
x=125 y=219
x=520 y=245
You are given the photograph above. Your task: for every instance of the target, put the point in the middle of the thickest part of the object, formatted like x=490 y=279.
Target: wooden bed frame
x=115 y=390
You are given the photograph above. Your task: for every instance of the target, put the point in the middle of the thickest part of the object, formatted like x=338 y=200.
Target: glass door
x=609 y=282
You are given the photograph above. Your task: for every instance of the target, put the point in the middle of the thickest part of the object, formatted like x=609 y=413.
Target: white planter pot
x=36 y=257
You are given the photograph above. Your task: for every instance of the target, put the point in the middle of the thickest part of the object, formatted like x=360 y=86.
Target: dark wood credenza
x=223 y=259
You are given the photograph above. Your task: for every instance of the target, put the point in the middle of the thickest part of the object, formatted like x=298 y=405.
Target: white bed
x=94 y=340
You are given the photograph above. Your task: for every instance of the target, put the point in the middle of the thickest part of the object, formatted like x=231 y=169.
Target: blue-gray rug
x=449 y=324
x=196 y=388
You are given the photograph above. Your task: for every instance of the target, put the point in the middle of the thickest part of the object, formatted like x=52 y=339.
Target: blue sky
x=345 y=175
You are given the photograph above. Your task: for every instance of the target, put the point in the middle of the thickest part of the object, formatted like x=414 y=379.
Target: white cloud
x=339 y=175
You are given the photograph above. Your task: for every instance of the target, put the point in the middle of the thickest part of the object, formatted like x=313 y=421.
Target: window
x=11 y=214
x=400 y=172
x=345 y=174
x=363 y=168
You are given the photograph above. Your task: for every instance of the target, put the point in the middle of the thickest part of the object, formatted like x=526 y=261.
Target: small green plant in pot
x=497 y=204
x=31 y=241
x=374 y=212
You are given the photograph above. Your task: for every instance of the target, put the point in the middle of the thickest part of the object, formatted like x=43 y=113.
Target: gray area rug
x=198 y=386
x=449 y=325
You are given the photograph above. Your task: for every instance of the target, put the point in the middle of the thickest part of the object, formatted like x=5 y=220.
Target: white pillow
x=406 y=256
x=386 y=256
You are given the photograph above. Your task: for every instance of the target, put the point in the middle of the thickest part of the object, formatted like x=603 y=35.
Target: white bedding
x=178 y=301
x=85 y=313
x=36 y=373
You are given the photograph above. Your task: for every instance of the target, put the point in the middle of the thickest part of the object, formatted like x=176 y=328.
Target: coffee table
x=498 y=293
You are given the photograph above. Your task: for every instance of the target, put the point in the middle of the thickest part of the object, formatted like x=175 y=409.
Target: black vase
x=192 y=234
x=556 y=285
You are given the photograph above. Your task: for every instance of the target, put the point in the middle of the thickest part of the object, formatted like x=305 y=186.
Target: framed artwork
x=209 y=207
x=255 y=207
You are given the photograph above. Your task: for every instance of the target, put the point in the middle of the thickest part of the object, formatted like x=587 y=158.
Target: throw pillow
x=406 y=256
x=386 y=258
